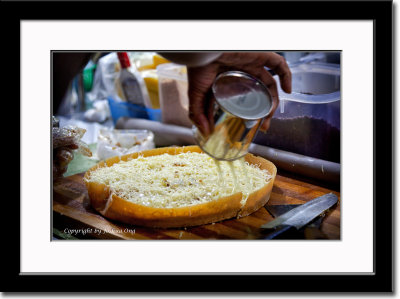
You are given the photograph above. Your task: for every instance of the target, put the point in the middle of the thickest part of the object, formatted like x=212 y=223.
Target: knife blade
x=278 y=210
x=300 y=216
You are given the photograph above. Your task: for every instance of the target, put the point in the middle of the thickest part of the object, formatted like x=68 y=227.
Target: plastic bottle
x=128 y=82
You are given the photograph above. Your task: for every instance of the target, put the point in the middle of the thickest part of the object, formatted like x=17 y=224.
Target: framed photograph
x=329 y=136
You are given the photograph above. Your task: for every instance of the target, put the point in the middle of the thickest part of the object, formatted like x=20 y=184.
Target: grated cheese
x=171 y=181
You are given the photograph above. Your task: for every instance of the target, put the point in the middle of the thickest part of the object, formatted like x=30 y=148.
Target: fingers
x=200 y=98
x=200 y=120
x=275 y=103
x=279 y=65
x=257 y=60
x=201 y=78
x=197 y=109
x=62 y=157
x=265 y=125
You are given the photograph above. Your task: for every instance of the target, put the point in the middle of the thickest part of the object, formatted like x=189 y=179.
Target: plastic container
x=150 y=77
x=146 y=63
x=307 y=121
x=111 y=142
x=120 y=109
x=173 y=94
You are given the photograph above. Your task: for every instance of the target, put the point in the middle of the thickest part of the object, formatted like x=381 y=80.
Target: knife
x=278 y=210
x=300 y=216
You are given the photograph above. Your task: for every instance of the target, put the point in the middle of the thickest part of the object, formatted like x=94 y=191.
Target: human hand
x=65 y=141
x=201 y=78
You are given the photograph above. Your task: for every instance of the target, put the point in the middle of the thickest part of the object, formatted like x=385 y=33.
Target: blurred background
x=143 y=95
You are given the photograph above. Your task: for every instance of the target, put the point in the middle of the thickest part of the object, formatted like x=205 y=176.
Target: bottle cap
x=124 y=59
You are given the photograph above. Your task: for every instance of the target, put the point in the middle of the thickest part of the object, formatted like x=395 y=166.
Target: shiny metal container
x=241 y=104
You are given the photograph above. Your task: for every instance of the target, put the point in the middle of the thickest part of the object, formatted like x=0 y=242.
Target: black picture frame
x=378 y=11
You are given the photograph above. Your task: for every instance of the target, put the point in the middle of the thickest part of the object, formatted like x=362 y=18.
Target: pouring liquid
x=242 y=102
x=234 y=130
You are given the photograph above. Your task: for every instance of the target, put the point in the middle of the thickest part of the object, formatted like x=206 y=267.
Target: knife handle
x=278 y=231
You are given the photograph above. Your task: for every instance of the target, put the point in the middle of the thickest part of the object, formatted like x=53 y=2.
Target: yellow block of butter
x=151 y=80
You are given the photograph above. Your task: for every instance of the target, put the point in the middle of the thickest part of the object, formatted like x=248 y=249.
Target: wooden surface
x=73 y=216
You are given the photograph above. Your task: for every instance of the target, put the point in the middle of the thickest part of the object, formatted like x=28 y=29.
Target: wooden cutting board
x=73 y=216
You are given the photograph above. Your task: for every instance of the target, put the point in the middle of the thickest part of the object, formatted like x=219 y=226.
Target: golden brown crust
x=116 y=208
x=260 y=197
